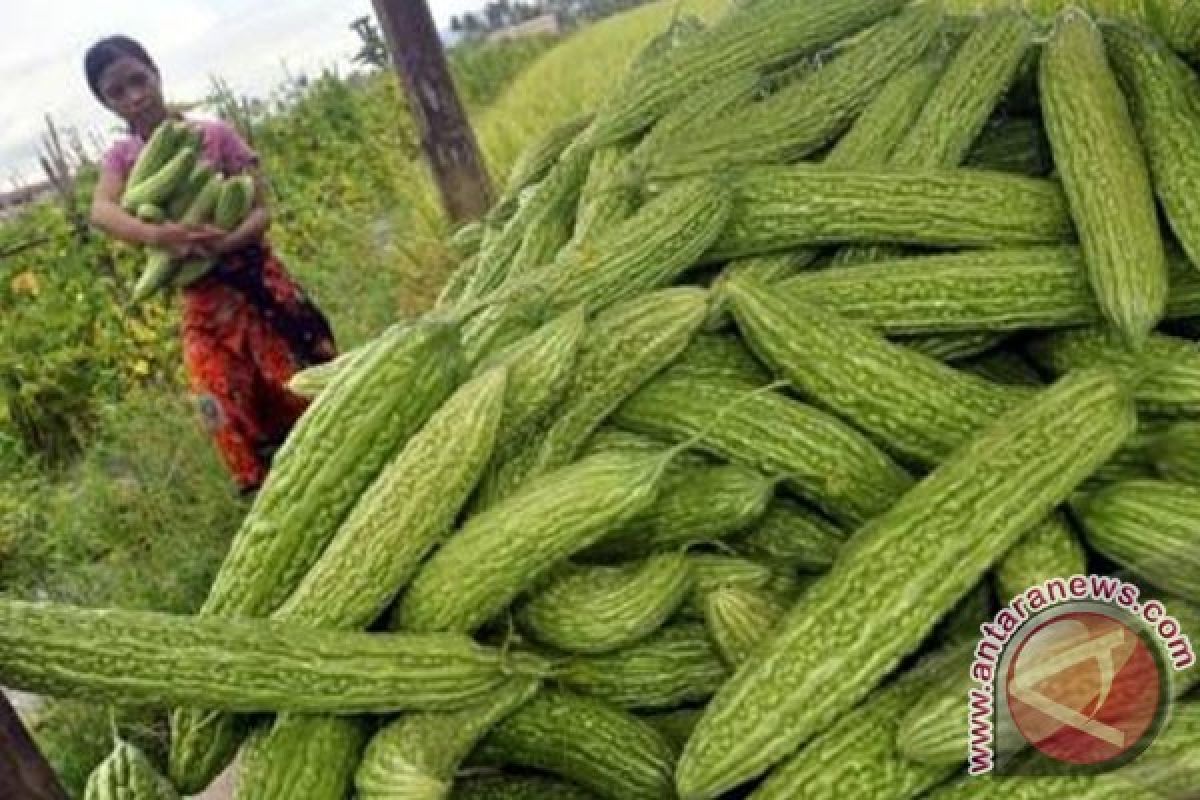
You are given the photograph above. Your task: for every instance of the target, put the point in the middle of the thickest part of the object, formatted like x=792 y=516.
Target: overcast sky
x=248 y=42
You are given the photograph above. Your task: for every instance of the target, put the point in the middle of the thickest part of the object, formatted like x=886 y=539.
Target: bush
x=67 y=346
x=142 y=521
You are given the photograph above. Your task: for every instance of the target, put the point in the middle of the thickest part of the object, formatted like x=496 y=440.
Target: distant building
x=12 y=202
x=545 y=25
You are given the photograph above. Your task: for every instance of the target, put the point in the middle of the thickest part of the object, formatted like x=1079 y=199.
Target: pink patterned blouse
x=224 y=150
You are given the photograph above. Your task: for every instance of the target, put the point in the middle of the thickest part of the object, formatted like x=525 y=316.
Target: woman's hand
x=223 y=243
x=184 y=241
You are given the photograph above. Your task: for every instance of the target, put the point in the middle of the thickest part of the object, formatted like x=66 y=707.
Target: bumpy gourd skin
x=126 y=774
x=247 y=666
x=912 y=405
x=675 y=666
x=860 y=754
x=622 y=348
x=649 y=250
x=539 y=157
x=301 y=756
x=778 y=208
x=799 y=119
x=601 y=609
x=741 y=40
x=1167 y=769
x=826 y=461
x=1104 y=173
x=508 y=547
x=1024 y=464
x=700 y=504
x=417 y=755
x=1176 y=453
x=1150 y=527
x=516 y=787
x=1162 y=92
x=792 y=536
x=402 y=516
x=1170 y=389
x=738 y=618
x=992 y=291
x=959 y=106
x=587 y=741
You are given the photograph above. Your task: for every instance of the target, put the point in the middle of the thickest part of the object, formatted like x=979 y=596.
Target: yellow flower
x=26 y=283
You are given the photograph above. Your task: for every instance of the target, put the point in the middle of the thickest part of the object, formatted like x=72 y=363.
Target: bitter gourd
x=1104 y=174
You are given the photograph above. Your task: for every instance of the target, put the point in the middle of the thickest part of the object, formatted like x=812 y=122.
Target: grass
x=141 y=521
x=573 y=78
x=481 y=70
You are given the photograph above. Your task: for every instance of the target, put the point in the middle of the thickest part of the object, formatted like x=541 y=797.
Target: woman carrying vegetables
x=247 y=325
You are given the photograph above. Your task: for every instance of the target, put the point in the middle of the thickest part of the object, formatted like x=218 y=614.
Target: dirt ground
x=221 y=789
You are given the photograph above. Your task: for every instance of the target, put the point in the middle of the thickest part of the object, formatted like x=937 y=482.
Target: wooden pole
x=24 y=773
x=445 y=133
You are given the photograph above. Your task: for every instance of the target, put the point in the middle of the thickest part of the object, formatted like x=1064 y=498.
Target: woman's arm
x=108 y=216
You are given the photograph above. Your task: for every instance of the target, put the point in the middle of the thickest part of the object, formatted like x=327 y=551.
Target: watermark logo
x=1074 y=671
x=1084 y=687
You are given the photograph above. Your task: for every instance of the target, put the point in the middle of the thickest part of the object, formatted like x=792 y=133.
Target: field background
x=110 y=492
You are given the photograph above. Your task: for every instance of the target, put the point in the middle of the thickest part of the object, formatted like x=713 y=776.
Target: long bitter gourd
x=742 y=40
x=674 y=666
x=779 y=208
x=1104 y=174
x=600 y=609
x=997 y=291
x=798 y=120
x=509 y=546
x=912 y=405
x=824 y=460
x=241 y=665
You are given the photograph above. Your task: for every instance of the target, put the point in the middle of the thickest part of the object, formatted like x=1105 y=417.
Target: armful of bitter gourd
x=160 y=269
x=236 y=200
x=223 y=202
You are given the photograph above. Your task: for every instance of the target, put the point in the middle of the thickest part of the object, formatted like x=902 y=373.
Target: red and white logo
x=1084 y=688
